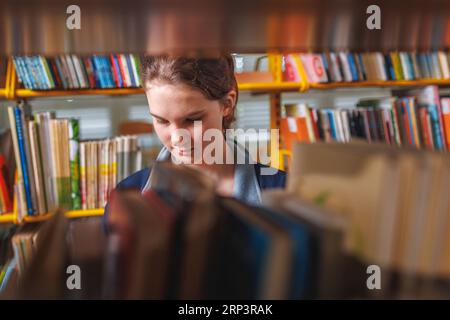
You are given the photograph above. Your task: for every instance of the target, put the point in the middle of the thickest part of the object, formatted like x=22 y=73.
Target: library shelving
x=270 y=83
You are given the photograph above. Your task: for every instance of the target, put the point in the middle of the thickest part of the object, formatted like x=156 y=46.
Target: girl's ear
x=229 y=102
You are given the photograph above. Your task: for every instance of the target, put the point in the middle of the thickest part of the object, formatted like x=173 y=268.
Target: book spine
x=74 y=163
x=37 y=168
x=23 y=161
x=115 y=70
x=83 y=175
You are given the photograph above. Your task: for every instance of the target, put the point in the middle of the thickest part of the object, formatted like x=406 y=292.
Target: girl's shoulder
x=269 y=177
x=136 y=181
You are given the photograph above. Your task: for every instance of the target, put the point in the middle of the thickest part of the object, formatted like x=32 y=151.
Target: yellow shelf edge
x=251 y=86
x=69 y=214
x=7 y=218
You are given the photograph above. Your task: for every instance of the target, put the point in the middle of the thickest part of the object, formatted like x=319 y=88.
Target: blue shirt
x=249 y=178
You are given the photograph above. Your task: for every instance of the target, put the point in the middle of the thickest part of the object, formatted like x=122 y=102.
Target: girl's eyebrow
x=158 y=117
x=196 y=113
x=191 y=115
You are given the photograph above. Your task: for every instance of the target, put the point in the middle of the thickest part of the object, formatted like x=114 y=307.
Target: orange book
x=288 y=131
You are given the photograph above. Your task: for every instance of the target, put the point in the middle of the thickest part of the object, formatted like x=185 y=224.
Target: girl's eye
x=162 y=121
x=193 y=120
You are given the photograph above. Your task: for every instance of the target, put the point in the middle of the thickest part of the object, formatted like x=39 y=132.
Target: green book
x=74 y=164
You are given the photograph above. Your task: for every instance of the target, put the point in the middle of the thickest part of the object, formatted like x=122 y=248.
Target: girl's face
x=175 y=108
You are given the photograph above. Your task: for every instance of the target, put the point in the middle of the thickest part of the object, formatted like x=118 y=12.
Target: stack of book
x=347 y=67
x=104 y=163
x=347 y=208
x=420 y=119
x=71 y=71
x=55 y=170
x=394 y=203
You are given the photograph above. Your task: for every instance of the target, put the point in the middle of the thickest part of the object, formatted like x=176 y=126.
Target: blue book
x=130 y=71
x=19 y=72
x=302 y=252
x=23 y=158
x=37 y=71
x=119 y=74
x=433 y=110
x=97 y=72
x=107 y=72
x=429 y=64
x=29 y=71
x=332 y=124
x=412 y=74
x=363 y=68
x=352 y=64
x=389 y=67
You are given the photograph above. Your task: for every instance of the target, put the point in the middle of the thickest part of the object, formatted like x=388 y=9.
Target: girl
x=184 y=92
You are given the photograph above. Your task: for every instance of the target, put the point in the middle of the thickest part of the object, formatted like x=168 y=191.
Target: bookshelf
x=266 y=82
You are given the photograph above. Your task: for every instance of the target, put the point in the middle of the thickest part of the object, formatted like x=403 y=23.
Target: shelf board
x=26 y=93
x=69 y=214
x=389 y=83
x=7 y=218
x=250 y=86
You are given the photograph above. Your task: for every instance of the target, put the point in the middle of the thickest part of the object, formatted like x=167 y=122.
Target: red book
x=122 y=71
x=425 y=129
x=90 y=72
x=314 y=123
x=3 y=189
x=115 y=71
x=405 y=119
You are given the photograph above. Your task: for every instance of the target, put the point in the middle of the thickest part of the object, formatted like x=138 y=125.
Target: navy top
x=139 y=179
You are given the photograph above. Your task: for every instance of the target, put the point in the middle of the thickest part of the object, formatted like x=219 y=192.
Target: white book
x=380 y=64
x=79 y=72
x=405 y=66
x=71 y=68
x=334 y=64
x=443 y=65
x=345 y=66
x=135 y=71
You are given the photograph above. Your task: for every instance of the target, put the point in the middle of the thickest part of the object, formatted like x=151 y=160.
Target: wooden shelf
x=390 y=83
x=26 y=93
x=8 y=218
x=251 y=86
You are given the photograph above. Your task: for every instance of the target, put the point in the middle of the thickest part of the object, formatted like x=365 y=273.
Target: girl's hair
x=214 y=77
